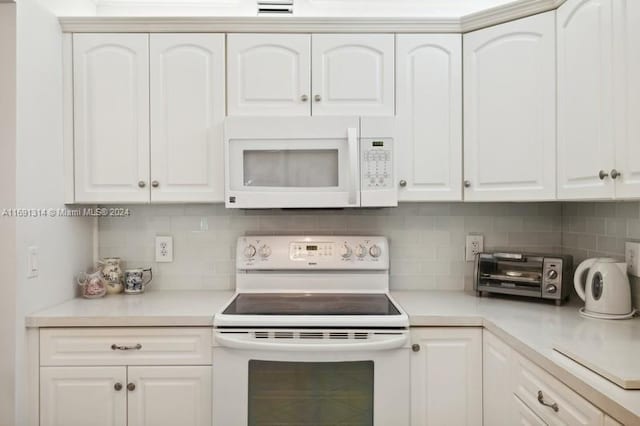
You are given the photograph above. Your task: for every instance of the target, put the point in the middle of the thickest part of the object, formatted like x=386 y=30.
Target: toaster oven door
x=509 y=273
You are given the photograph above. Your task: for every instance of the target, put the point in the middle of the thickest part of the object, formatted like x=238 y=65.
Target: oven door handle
x=379 y=344
x=352 y=141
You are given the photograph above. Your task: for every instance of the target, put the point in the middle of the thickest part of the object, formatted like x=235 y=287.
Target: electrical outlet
x=475 y=244
x=632 y=257
x=164 y=249
x=32 y=262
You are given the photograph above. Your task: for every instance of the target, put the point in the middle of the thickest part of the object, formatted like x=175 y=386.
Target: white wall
x=7 y=200
x=64 y=244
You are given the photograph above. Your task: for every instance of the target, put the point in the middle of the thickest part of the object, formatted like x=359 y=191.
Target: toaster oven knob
x=265 y=251
x=361 y=251
x=249 y=251
x=346 y=252
x=551 y=288
x=375 y=251
x=552 y=274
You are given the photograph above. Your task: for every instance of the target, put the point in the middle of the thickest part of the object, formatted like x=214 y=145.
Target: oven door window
x=291 y=168
x=310 y=393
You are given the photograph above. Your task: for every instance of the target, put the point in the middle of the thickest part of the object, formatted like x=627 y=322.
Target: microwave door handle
x=386 y=343
x=352 y=140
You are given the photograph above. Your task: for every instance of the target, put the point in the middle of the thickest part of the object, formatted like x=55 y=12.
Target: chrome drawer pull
x=553 y=406
x=115 y=347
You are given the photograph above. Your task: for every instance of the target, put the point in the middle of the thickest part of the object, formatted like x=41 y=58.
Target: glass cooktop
x=311 y=304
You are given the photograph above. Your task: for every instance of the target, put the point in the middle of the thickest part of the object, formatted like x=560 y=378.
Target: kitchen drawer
x=106 y=346
x=573 y=410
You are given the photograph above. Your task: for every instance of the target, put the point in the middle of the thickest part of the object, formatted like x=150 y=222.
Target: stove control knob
x=361 y=251
x=346 y=251
x=551 y=288
x=265 y=251
x=375 y=251
x=552 y=274
x=249 y=251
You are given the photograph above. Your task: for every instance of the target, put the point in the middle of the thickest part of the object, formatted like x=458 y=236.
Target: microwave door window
x=291 y=168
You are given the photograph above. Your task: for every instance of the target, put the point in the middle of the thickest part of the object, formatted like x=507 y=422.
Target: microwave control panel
x=377 y=163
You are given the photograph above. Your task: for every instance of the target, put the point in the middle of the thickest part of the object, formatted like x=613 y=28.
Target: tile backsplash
x=427 y=239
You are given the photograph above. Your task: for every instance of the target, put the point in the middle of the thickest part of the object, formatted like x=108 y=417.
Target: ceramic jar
x=92 y=285
x=134 y=282
x=112 y=273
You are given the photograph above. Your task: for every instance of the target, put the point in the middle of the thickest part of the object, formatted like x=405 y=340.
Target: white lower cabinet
x=446 y=376
x=83 y=396
x=95 y=377
x=496 y=385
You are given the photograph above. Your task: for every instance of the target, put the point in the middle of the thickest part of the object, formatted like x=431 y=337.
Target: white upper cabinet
x=509 y=111
x=585 y=86
x=429 y=117
x=353 y=74
x=187 y=113
x=269 y=74
x=111 y=117
x=627 y=97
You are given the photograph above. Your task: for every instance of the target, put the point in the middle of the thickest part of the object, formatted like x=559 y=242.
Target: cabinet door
x=627 y=92
x=509 y=111
x=111 y=117
x=187 y=113
x=269 y=74
x=446 y=377
x=429 y=117
x=523 y=415
x=585 y=137
x=496 y=387
x=352 y=74
x=169 y=396
x=83 y=396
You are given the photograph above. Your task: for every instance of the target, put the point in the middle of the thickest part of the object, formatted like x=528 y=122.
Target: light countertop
x=533 y=329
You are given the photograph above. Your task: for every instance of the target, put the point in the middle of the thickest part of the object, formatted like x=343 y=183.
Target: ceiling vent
x=275 y=7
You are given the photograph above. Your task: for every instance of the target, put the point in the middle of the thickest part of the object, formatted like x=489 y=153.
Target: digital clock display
x=312 y=248
x=377 y=143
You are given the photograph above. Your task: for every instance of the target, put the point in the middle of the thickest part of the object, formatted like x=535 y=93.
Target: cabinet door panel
x=353 y=74
x=169 y=396
x=585 y=136
x=627 y=92
x=269 y=74
x=187 y=113
x=509 y=111
x=111 y=117
x=429 y=116
x=83 y=396
x=497 y=390
x=446 y=377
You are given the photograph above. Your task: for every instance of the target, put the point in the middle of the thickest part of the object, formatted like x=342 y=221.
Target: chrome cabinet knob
x=304 y=98
x=602 y=175
x=155 y=183
x=415 y=347
x=615 y=174
x=467 y=183
x=403 y=183
x=118 y=386
x=131 y=387
x=142 y=184
x=317 y=98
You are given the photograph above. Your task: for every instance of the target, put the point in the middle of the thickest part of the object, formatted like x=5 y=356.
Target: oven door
x=277 y=377
x=297 y=162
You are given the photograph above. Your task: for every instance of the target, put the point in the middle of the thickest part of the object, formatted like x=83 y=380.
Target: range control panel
x=312 y=252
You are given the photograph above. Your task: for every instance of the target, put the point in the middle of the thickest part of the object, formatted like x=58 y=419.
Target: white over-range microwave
x=309 y=162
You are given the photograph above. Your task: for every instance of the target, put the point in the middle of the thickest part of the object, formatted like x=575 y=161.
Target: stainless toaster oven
x=524 y=274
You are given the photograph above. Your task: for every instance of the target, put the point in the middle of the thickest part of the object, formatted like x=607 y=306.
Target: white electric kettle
x=606 y=290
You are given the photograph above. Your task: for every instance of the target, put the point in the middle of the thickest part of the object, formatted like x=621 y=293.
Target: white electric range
x=311 y=336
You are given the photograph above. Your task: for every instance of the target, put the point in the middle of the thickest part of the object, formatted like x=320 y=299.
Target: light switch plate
x=632 y=257
x=164 y=249
x=32 y=262
x=475 y=245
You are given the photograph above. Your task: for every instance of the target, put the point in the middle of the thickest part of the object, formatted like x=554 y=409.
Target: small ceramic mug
x=134 y=282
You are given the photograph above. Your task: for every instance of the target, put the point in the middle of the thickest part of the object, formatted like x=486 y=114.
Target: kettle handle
x=578 y=282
